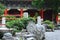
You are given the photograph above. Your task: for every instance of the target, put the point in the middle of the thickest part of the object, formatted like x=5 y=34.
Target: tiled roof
x=15 y=0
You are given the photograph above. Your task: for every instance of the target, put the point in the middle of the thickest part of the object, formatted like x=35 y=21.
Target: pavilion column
x=52 y=17
x=41 y=13
x=5 y=12
x=21 y=12
x=56 y=18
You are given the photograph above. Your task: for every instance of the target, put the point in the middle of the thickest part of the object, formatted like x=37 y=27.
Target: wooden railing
x=7 y=19
x=10 y=18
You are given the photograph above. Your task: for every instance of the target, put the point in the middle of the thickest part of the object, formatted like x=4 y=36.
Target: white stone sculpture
x=25 y=14
x=40 y=29
x=3 y=21
x=39 y=20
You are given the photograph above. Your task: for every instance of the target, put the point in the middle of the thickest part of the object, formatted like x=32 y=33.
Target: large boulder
x=7 y=36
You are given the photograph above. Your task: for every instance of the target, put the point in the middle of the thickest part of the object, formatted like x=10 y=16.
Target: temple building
x=18 y=7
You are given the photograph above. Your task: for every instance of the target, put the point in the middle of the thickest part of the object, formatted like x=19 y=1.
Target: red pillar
x=41 y=13
x=5 y=12
x=21 y=12
x=56 y=18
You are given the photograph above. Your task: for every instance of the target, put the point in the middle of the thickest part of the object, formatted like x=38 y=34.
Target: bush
x=18 y=24
x=50 y=24
x=2 y=8
x=47 y=22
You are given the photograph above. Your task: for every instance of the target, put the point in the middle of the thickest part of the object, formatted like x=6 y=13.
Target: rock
x=40 y=32
x=31 y=27
x=7 y=36
x=37 y=29
x=31 y=38
x=16 y=38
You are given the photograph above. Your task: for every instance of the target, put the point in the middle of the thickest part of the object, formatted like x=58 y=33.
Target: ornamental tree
x=38 y=3
x=2 y=8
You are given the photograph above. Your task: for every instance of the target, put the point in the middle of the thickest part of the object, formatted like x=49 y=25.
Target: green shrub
x=47 y=22
x=18 y=24
x=2 y=8
x=50 y=24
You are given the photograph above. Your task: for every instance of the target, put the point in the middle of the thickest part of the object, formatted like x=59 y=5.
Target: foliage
x=35 y=17
x=10 y=18
x=50 y=24
x=2 y=8
x=36 y=14
x=47 y=22
x=38 y=3
x=18 y=24
x=54 y=4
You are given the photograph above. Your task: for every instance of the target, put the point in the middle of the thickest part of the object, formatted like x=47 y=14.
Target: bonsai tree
x=15 y=24
x=18 y=24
